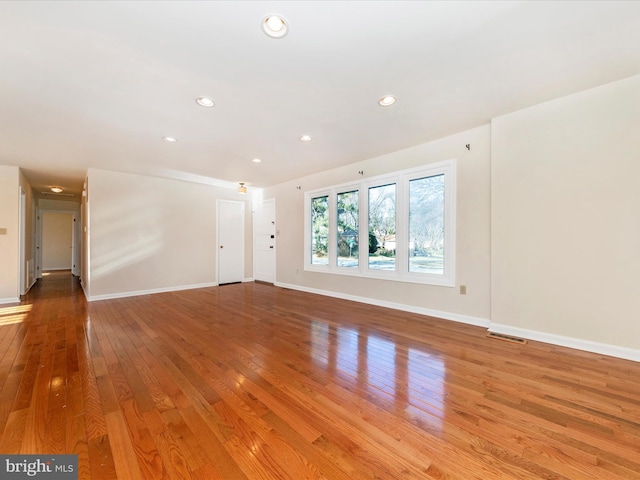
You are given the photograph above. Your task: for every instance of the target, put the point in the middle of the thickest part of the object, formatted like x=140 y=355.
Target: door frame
x=271 y=201
x=76 y=240
x=22 y=239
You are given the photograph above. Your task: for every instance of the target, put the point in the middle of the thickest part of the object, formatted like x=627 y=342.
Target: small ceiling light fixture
x=256 y=160
x=387 y=101
x=241 y=188
x=56 y=189
x=305 y=138
x=275 y=26
x=205 y=102
x=170 y=139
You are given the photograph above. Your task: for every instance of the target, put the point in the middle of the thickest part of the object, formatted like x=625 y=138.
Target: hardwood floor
x=250 y=381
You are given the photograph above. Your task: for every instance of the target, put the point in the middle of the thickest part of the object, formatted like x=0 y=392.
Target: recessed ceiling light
x=387 y=100
x=205 y=102
x=170 y=139
x=256 y=160
x=56 y=189
x=305 y=138
x=275 y=26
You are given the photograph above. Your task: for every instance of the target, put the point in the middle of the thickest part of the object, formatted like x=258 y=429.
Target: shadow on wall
x=124 y=239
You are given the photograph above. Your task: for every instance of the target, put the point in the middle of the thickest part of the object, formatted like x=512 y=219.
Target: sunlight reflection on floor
x=410 y=378
x=15 y=314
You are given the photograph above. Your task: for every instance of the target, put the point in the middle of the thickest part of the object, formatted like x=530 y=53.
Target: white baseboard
x=570 y=342
x=559 y=340
x=456 y=317
x=111 y=296
x=32 y=284
x=84 y=290
x=9 y=300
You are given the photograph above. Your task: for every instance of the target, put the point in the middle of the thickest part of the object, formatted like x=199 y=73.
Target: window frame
x=308 y=241
x=401 y=179
x=375 y=183
x=334 y=221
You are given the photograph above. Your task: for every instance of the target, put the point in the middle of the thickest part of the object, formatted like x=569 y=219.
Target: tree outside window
x=347 y=229
x=426 y=225
x=382 y=227
x=408 y=232
x=320 y=230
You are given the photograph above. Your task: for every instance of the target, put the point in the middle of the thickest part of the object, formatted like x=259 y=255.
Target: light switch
x=3 y=231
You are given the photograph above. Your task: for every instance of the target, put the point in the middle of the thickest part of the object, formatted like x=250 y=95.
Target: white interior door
x=264 y=241
x=230 y=227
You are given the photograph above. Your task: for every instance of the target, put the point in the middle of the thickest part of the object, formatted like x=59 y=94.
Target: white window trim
x=401 y=179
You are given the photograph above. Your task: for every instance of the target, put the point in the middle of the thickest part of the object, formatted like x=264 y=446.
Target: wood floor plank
x=224 y=466
x=76 y=442
x=122 y=449
x=142 y=441
x=251 y=381
x=13 y=436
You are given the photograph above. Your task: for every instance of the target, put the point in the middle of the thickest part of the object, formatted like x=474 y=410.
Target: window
x=382 y=227
x=408 y=231
x=347 y=229
x=320 y=227
x=426 y=224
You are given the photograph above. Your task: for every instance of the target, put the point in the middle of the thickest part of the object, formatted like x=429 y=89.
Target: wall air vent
x=507 y=338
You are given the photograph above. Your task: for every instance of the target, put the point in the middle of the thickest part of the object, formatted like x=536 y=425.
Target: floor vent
x=507 y=338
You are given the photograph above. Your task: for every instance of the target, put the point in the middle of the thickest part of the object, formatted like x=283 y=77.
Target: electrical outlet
x=463 y=289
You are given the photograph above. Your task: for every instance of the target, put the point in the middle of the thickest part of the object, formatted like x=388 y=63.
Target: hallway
x=55 y=284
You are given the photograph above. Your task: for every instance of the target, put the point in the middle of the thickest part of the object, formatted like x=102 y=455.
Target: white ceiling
x=97 y=84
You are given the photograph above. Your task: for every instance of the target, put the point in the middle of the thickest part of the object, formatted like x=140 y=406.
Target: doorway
x=58 y=241
x=230 y=236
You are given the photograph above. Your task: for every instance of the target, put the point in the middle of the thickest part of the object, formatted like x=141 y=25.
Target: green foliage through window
x=347 y=229
x=320 y=230
x=401 y=225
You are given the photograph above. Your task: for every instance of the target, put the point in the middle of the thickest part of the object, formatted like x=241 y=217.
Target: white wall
x=473 y=232
x=566 y=220
x=151 y=234
x=57 y=240
x=9 y=252
x=58 y=205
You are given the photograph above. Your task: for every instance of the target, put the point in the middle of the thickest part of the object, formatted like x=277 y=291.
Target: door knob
x=221 y=246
